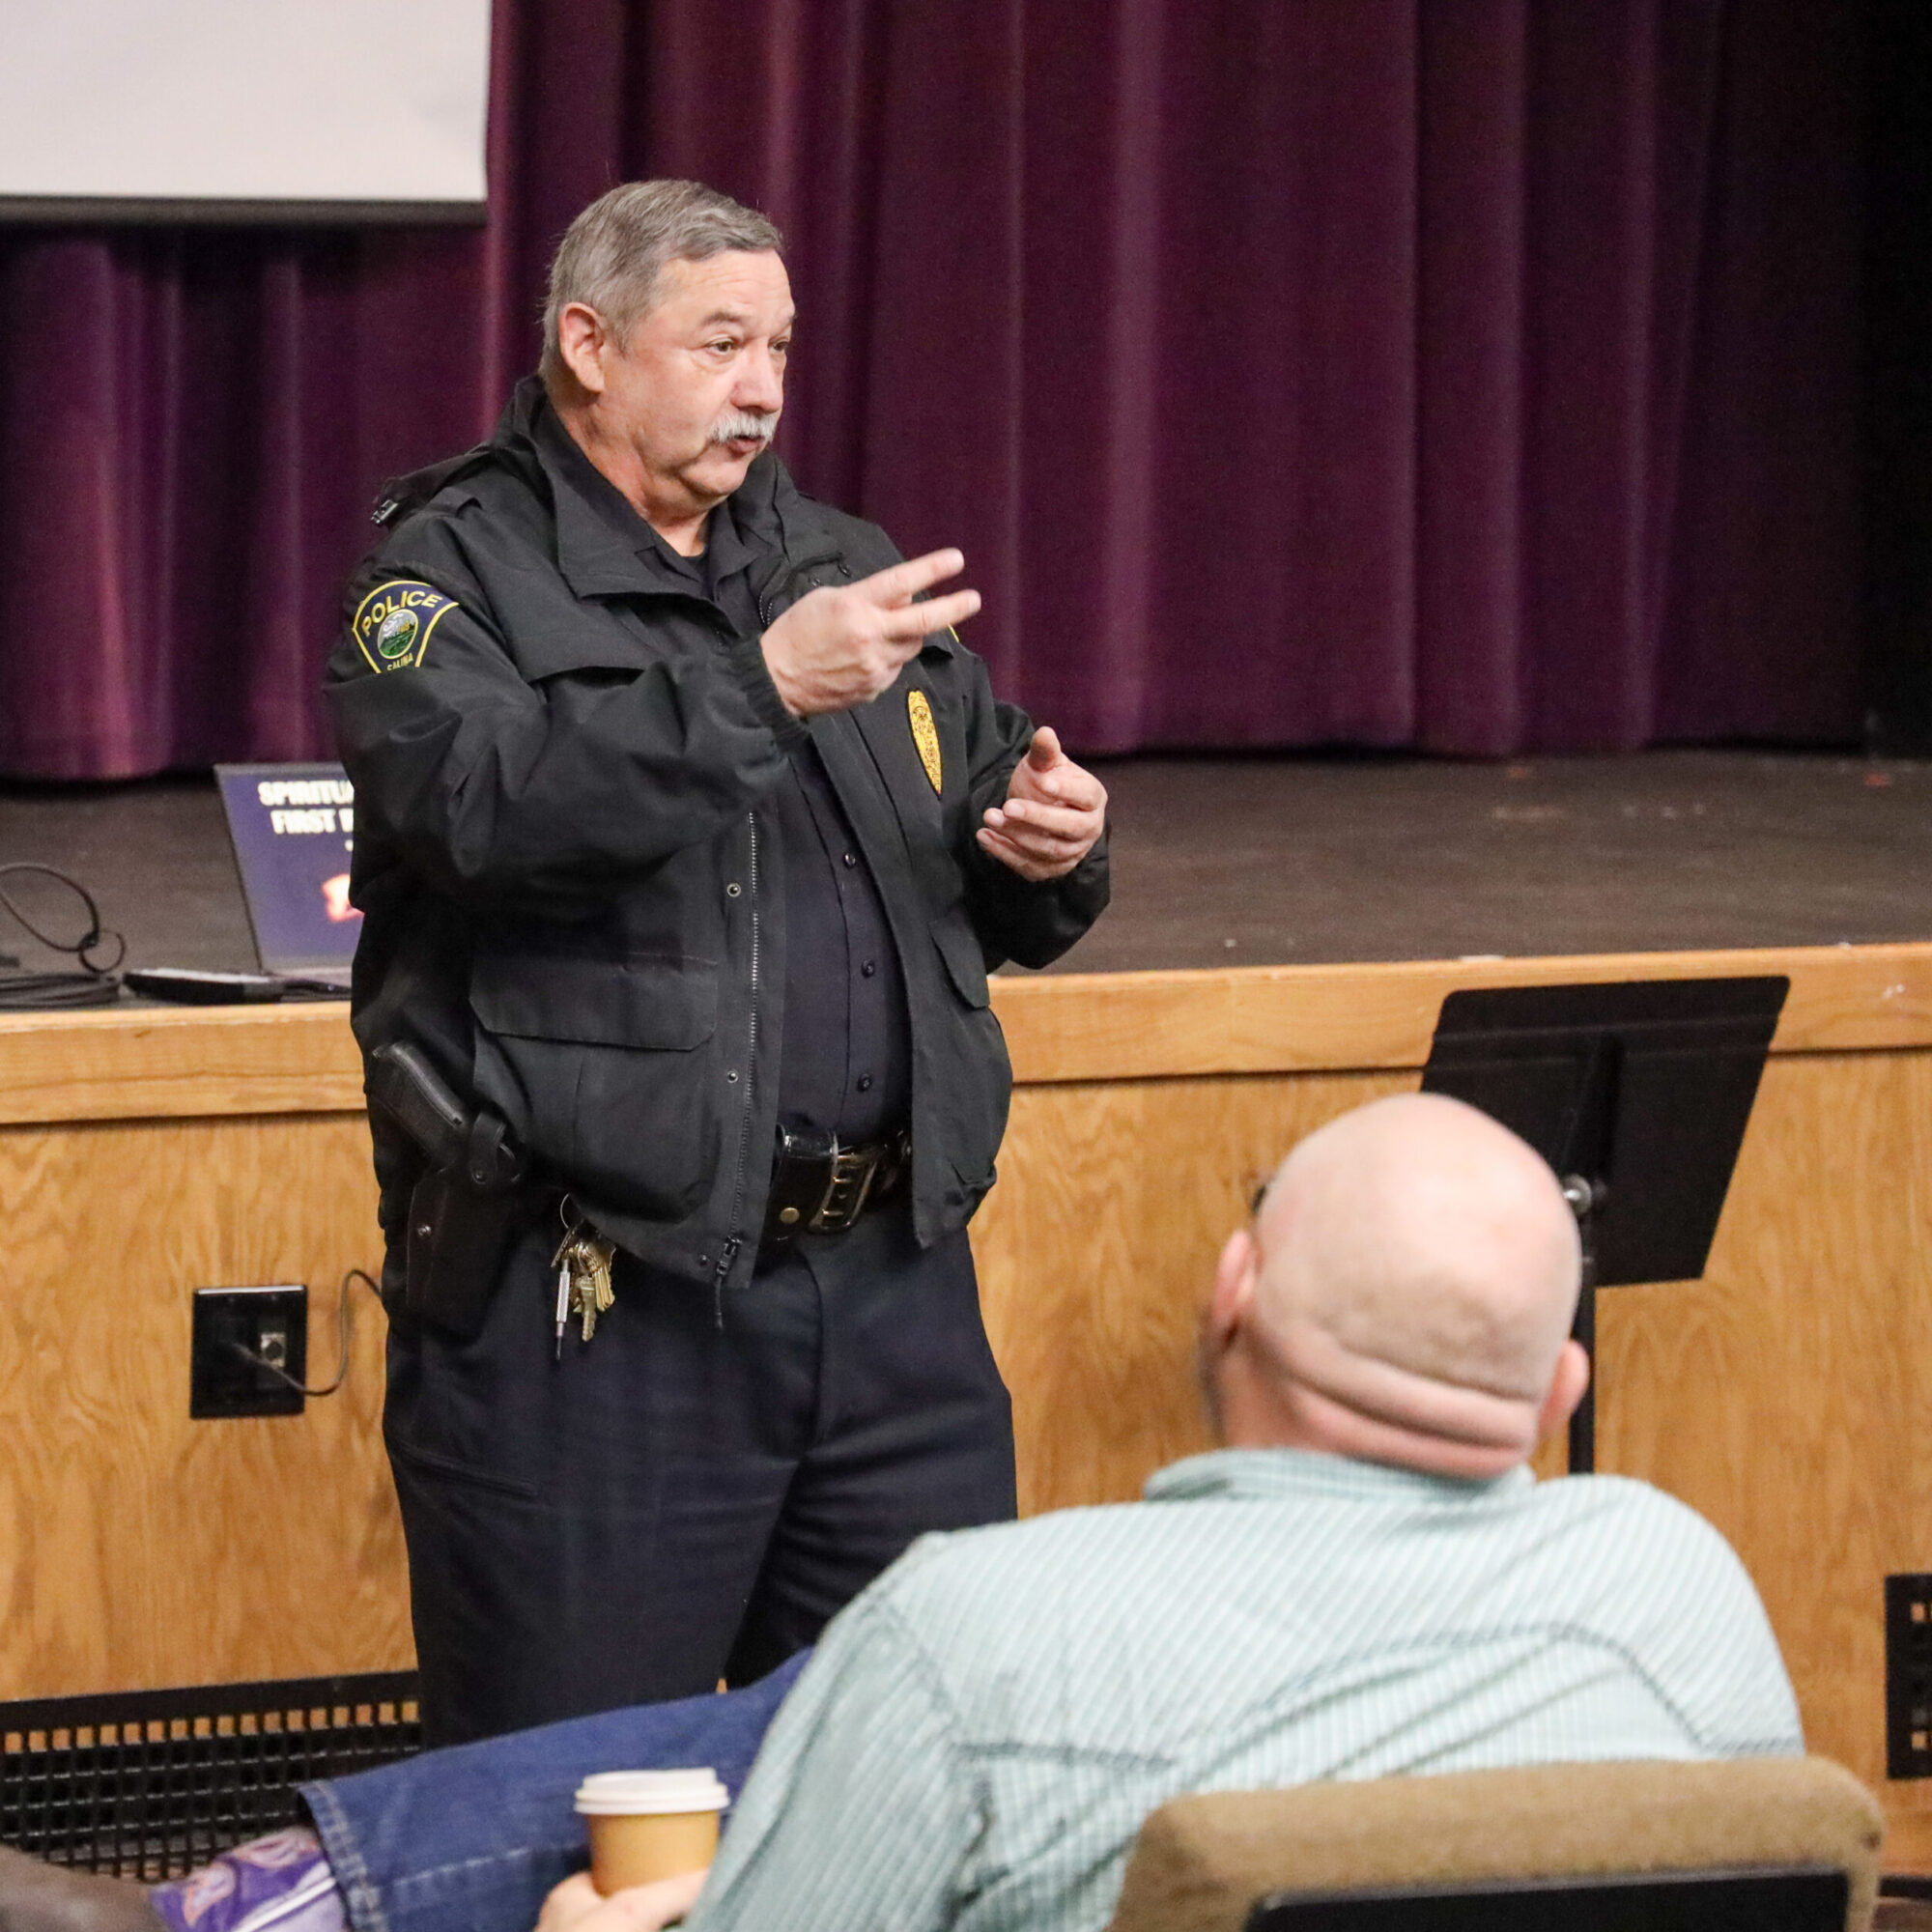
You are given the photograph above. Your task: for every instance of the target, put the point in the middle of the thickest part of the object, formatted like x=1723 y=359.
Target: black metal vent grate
x=148 y=1784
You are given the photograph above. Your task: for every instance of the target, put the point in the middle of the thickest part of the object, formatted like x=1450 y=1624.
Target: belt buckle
x=844 y=1198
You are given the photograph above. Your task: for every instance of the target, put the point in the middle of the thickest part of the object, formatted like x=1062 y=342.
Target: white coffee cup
x=651 y=1825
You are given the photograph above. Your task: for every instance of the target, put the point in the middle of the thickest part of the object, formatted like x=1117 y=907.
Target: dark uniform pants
x=678 y=1501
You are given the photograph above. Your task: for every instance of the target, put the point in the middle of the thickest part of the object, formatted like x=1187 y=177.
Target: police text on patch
x=393 y=622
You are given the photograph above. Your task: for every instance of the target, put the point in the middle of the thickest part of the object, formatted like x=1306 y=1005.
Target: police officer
x=687 y=832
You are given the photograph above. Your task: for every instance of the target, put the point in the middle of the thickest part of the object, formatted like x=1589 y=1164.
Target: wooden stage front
x=145 y=1153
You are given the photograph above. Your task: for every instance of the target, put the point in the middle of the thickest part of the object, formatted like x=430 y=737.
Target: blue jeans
x=471 y=1839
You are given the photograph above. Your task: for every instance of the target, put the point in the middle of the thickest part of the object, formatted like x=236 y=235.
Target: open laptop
x=293 y=827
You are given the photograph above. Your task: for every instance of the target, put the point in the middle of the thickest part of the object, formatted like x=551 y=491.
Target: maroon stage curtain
x=1471 y=375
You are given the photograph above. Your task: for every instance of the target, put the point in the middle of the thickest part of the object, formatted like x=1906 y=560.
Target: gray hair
x=612 y=255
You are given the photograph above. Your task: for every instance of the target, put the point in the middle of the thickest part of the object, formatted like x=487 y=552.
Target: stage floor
x=1264 y=861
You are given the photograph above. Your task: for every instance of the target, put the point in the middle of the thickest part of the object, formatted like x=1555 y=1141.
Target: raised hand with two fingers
x=840 y=646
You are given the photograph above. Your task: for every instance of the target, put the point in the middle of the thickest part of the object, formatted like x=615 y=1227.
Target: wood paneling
x=151 y=1063
x=141 y=1547
x=165 y=1062
x=1315 y=1019
x=1783 y=1395
x=157 y=1152
x=1096 y=1251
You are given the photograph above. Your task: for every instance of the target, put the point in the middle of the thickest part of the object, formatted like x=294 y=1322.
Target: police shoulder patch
x=393 y=622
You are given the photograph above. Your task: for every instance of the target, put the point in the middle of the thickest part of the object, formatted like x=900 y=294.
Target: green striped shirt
x=979 y=1735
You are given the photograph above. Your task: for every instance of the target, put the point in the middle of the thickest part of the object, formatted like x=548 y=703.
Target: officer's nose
x=760 y=383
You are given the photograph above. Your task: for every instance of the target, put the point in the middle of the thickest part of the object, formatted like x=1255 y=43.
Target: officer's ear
x=583 y=340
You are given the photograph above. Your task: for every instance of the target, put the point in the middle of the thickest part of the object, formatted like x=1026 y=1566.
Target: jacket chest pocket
x=786 y=579
x=557 y=633
x=607 y=1067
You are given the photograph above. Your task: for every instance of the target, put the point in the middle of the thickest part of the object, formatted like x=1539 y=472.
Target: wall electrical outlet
x=272 y=1323
x=1908 y=1676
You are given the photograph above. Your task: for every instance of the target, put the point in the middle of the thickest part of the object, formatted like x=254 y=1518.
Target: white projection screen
x=242 y=110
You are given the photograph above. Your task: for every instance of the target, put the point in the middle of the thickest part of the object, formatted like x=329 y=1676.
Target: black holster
x=470 y=1204
x=459 y=1234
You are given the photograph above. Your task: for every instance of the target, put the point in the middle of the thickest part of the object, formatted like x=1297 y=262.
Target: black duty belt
x=819 y=1187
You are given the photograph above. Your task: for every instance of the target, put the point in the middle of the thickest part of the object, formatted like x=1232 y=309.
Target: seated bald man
x=1365 y=1581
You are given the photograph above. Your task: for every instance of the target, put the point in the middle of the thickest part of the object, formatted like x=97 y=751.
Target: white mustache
x=734 y=424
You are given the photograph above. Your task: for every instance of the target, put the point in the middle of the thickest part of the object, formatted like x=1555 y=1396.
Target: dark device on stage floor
x=467 y=1207
x=190 y=987
x=1637 y=1094
x=293 y=828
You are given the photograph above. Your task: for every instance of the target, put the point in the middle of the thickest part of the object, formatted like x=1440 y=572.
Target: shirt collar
x=728 y=545
x=1259 y=1475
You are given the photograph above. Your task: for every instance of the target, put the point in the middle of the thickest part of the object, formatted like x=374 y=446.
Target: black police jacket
x=569 y=867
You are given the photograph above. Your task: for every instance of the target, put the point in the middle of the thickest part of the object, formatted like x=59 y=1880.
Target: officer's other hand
x=1055 y=810
x=836 y=648
x=576 y=1905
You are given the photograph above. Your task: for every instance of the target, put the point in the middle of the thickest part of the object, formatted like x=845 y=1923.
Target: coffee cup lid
x=619 y=1794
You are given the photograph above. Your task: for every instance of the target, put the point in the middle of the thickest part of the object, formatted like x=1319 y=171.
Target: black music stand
x=1636 y=1094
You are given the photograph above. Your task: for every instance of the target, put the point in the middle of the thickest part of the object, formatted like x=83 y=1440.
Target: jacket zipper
x=728 y=1254
x=735 y=1240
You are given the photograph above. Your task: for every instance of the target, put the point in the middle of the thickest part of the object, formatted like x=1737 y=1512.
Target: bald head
x=1408 y=1294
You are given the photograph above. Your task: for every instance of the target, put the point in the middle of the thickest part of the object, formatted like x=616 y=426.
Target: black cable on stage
x=96 y=984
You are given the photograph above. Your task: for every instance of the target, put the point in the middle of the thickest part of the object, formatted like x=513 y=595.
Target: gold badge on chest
x=925 y=734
